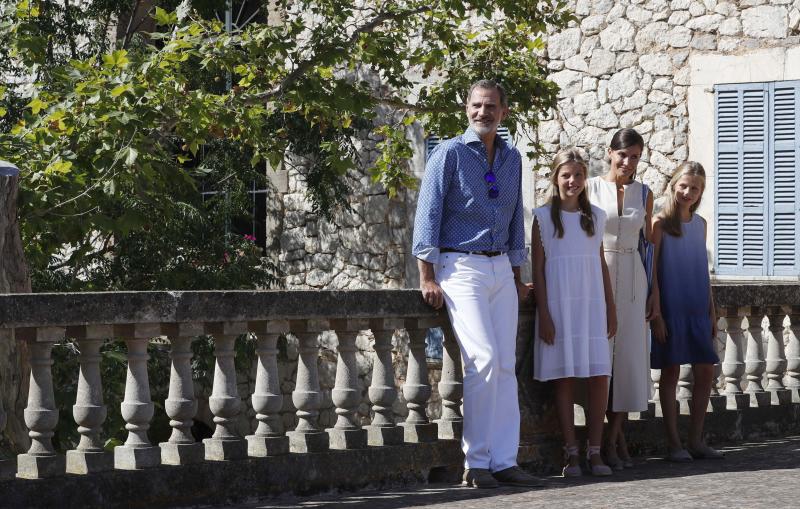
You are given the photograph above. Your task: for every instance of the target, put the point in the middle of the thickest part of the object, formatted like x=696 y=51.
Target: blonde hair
x=566 y=156
x=671 y=215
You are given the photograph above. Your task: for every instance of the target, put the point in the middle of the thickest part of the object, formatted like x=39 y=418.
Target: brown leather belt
x=481 y=253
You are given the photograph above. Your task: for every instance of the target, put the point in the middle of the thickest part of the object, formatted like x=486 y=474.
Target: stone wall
x=627 y=64
x=622 y=64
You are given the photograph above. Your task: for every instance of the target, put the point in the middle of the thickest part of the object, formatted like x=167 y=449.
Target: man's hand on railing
x=432 y=294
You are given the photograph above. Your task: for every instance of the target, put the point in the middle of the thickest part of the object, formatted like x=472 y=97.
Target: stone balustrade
x=758 y=343
x=759 y=368
x=46 y=319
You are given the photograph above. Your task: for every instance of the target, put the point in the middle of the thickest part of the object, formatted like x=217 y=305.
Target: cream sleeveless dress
x=630 y=348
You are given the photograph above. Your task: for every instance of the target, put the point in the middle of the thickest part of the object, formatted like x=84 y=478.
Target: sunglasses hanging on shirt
x=491 y=181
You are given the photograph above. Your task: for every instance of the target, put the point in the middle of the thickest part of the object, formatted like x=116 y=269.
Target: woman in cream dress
x=620 y=196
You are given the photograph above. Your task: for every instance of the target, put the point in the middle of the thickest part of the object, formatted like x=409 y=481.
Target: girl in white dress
x=628 y=206
x=574 y=304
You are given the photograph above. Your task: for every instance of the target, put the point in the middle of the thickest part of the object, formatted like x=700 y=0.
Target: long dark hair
x=626 y=138
x=671 y=215
x=570 y=155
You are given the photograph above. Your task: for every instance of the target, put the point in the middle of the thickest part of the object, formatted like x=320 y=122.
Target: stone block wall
x=627 y=64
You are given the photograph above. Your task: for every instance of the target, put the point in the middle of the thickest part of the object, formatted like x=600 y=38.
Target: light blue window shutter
x=432 y=141
x=784 y=158
x=741 y=170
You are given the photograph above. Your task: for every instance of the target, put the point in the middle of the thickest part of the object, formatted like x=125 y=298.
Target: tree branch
x=306 y=65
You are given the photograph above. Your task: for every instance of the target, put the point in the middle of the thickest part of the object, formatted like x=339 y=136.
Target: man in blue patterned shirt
x=469 y=240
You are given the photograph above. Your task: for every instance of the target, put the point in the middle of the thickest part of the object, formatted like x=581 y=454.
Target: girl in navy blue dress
x=685 y=332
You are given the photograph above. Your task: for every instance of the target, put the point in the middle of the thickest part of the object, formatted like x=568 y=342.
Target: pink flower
x=251 y=238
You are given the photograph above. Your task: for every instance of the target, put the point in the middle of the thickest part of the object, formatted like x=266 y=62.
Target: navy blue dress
x=684 y=284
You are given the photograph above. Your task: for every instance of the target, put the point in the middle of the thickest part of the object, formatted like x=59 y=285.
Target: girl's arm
x=611 y=307
x=653 y=306
x=657 y=324
x=712 y=309
x=547 y=330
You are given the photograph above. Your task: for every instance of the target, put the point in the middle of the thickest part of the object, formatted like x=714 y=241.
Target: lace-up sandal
x=597 y=470
x=571 y=451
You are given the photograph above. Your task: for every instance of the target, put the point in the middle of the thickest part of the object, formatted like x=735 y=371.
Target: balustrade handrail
x=68 y=309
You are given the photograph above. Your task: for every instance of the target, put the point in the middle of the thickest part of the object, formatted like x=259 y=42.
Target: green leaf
x=3 y=112
x=117 y=91
x=37 y=105
x=130 y=157
x=163 y=17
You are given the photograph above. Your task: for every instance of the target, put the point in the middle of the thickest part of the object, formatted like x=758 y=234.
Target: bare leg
x=598 y=401
x=703 y=378
x=666 y=392
x=566 y=414
x=613 y=435
x=622 y=446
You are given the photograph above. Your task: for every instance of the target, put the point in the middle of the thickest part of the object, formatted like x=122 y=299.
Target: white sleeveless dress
x=630 y=348
x=575 y=299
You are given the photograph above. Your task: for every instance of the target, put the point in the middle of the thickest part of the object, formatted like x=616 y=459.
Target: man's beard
x=483 y=129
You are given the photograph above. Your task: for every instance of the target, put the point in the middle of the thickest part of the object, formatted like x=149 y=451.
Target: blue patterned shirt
x=454 y=209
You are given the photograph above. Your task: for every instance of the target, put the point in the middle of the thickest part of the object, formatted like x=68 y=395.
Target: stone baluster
x=716 y=401
x=733 y=363
x=776 y=357
x=307 y=437
x=382 y=391
x=181 y=406
x=451 y=388
x=41 y=415
x=269 y=438
x=137 y=406
x=89 y=411
x=347 y=432
x=793 y=355
x=225 y=444
x=654 y=404
x=417 y=389
x=684 y=392
x=754 y=360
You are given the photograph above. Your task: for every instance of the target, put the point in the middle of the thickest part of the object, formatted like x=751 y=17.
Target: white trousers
x=482 y=303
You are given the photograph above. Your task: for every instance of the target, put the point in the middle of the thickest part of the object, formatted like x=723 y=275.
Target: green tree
x=113 y=145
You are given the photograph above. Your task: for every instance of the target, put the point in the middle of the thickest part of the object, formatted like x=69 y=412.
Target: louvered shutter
x=432 y=141
x=741 y=168
x=784 y=158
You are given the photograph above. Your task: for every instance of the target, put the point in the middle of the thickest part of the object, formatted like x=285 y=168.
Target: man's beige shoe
x=515 y=476
x=479 y=478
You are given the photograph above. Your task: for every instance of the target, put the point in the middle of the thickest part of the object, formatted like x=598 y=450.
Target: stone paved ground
x=754 y=474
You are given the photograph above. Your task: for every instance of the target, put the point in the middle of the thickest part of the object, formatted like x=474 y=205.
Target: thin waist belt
x=481 y=253
x=623 y=250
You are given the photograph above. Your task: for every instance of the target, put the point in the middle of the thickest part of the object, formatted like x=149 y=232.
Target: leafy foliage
x=111 y=144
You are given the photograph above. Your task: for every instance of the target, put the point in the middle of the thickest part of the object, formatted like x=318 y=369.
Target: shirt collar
x=470 y=136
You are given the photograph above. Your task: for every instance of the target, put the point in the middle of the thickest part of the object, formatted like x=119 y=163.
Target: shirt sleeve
x=430 y=205
x=517 y=252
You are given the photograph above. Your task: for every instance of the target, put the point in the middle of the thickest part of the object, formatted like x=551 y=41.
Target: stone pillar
x=793 y=355
x=382 y=392
x=137 y=407
x=754 y=359
x=654 y=405
x=716 y=401
x=684 y=393
x=41 y=415
x=307 y=437
x=225 y=444
x=89 y=411
x=347 y=433
x=733 y=363
x=776 y=357
x=180 y=405
x=416 y=389
x=451 y=388
x=269 y=438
